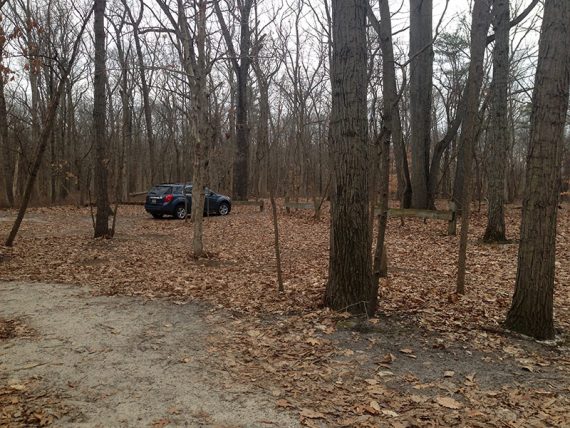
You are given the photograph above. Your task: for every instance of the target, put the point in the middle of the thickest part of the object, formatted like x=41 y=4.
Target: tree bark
x=531 y=312
x=391 y=128
x=99 y=123
x=421 y=74
x=350 y=283
x=241 y=69
x=495 y=231
x=7 y=158
x=126 y=118
x=384 y=31
x=201 y=125
x=479 y=28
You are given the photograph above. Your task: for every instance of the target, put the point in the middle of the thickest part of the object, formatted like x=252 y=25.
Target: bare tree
x=531 y=312
x=196 y=68
x=99 y=122
x=495 y=231
x=350 y=282
x=241 y=69
x=145 y=89
x=421 y=74
x=126 y=90
x=263 y=80
x=7 y=158
x=391 y=128
x=479 y=27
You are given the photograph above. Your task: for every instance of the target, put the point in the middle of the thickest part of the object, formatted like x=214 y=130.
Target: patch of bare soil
x=430 y=358
x=119 y=361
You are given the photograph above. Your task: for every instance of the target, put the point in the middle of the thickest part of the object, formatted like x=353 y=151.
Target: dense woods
x=356 y=213
x=148 y=92
x=366 y=104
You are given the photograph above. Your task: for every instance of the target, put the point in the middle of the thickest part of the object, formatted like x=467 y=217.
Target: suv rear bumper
x=159 y=209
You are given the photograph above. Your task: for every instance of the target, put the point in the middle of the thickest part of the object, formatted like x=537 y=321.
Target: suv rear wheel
x=180 y=212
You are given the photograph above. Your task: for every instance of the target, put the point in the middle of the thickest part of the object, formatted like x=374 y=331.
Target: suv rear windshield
x=160 y=190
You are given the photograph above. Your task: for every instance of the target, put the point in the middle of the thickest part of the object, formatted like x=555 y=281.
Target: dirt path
x=124 y=361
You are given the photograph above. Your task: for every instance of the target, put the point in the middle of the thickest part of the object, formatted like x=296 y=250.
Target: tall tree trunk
x=126 y=119
x=384 y=31
x=479 y=28
x=201 y=134
x=99 y=122
x=241 y=160
x=144 y=89
x=531 y=312
x=421 y=74
x=196 y=70
x=7 y=163
x=241 y=69
x=263 y=142
x=495 y=231
x=350 y=282
x=391 y=127
x=7 y=158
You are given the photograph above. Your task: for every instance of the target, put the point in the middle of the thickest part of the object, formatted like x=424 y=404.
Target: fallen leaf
x=388 y=359
x=160 y=423
x=311 y=414
x=17 y=387
x=376 y=390
x=449 y=373
x=418 y=399
x=313 y=341
x=448 y=403
x=374 y=404
x=283 y=403
x=371 y=410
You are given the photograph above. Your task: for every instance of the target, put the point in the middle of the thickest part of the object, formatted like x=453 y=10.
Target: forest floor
x=143 y=330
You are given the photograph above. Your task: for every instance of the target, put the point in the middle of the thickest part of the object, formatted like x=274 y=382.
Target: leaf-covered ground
x=430 y=357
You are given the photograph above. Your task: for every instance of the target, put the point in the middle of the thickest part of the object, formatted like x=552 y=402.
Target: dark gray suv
x=169 y=199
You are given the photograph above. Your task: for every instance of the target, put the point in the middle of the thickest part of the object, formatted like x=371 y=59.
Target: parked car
x=169 y=199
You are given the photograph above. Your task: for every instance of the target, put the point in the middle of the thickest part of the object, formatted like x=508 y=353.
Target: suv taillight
x=168 y=198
